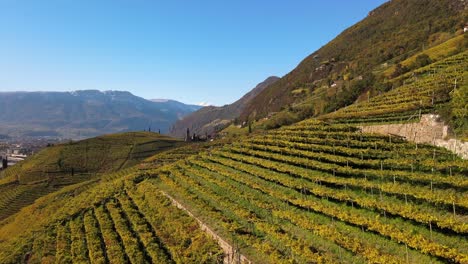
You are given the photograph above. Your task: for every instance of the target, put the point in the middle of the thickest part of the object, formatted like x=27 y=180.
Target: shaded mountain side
x=83 y=114
x=336 y=74
x=211 y=118
x=180 y=108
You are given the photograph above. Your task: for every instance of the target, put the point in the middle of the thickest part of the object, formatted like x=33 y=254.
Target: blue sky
x=191 y=51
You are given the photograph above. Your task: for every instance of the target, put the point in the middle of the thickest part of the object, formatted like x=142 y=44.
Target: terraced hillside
x=72 y=163
x=117 y=231
x=96 y=155
x=327 y=193
x=180 y=153
x=121 y=224
x=423 y=90
x=435 y=53
x=309 y=193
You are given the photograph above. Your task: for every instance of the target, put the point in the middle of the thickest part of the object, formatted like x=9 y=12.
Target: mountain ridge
x=85 y=113
x=210 y=119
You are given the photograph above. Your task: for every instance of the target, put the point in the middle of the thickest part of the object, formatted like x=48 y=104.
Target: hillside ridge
x=210 y=119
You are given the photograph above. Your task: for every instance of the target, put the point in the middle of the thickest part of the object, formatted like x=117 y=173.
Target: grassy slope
x=435 y=53
x=448 y=67
x=440 y=88
x=96 y=155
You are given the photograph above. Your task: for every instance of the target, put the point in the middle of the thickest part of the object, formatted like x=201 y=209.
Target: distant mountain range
x=210 y=118
x=86 y=113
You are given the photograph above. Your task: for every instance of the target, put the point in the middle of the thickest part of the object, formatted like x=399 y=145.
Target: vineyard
x=15 y=196
x=286 y=175
x=435 y=53
x=309 y=193
x=77 y=162
x=422 y=90
x=129 y=224
x=324 y=193
x=176 y=154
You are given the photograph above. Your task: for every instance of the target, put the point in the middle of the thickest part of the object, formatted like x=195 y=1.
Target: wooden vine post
x=453 y=205
x=430 y=228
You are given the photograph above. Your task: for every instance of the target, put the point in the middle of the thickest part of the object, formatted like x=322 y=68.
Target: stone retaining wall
x=456 y=146
x=231 y=255
x=430 y=130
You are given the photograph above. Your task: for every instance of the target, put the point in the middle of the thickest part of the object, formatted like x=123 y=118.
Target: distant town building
x=15 y=158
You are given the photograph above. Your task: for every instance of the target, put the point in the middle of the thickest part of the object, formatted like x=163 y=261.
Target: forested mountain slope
x=335 y=75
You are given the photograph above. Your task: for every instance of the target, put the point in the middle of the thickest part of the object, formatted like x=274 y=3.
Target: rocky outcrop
x=456 y=146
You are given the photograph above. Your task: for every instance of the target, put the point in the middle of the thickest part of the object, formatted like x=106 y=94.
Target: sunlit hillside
x=81 y=162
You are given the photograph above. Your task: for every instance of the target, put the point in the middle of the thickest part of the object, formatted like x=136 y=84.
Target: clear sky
x=191 y=51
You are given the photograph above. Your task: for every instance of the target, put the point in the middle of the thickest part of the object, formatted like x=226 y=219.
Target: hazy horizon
x=103 y=91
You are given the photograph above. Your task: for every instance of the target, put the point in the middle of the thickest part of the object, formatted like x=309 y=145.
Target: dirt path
x=231 y=256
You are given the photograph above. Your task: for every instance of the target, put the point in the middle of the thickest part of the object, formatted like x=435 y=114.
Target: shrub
x=421 y=61
x=399 y=70
x=281 y=119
